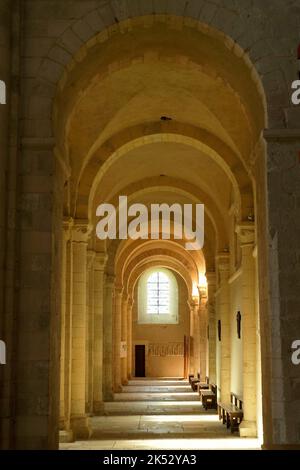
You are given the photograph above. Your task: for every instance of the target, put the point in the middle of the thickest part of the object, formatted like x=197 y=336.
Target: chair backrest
x=213 y=388
x=207 y=380
x=236 y=401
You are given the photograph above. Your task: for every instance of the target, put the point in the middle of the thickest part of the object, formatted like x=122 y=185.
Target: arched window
x=158 y=297
x=158 y=294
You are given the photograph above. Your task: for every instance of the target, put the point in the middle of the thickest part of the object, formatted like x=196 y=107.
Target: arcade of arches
x=163 y=109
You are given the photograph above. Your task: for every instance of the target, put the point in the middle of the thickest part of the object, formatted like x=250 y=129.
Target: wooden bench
x=231 y=413
x=194 y=381
x=203 y=385
x=209 y=397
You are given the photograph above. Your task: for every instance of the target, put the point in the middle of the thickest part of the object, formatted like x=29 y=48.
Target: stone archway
x=248 y=167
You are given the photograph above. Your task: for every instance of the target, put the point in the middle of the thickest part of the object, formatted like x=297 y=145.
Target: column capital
x=130 y=301
x=110 y=280
x=81 y=231
x=246 y=233
x=67 y=227
x=100 y=261
x=193 y=303
x=118 y=290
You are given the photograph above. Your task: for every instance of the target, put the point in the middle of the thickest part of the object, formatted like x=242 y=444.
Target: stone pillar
x=79 y=420
x=108 y=339
x=66 y=433
x=90 y=333
x=278 y=245
x=203 y=333
x=191 y=367
x=98 y=366
x=117 y=340
x=196 y=335
x=224 y=305
x=129 y=336
x=64 y=326
x=211 y=312
x=124 y=337
x=248 y=323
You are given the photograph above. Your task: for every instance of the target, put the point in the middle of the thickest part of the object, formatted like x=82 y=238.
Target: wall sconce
x=238 y=324
x=219 y=330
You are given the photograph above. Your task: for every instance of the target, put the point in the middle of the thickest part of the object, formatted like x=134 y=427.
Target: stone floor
x=159 y=414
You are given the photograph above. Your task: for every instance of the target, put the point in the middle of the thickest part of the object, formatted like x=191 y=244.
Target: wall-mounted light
x=238 y=324
x=219 y=330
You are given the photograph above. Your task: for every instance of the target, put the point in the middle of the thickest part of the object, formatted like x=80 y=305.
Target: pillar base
x=66 y=436
x=108 y=395
x=80 y=427
x=117 y=389
x=98 y=408
x=248 y=429
x=125 y=382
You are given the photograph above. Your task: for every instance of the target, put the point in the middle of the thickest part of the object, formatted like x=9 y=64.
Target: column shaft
x=129 y=336
x=224 y=305
x=124 y=338
x=211 y=288
x=248 y=427
x=79 y=421
x=108 y=339
x=99 y=333
x=117 y=340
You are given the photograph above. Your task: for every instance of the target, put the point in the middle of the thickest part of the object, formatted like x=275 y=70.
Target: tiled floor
x=159 y=414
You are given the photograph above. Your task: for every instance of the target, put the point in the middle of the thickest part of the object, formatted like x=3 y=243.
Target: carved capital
x=109 y=281
x=118 y=290
x=246 y=233
x=67 y=227
x=81 y=231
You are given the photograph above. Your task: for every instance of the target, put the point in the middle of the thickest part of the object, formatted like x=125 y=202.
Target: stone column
x=64 y=326
x=196 y=335
x=98 y=366
x=191 y=367
x=203 y=333
x=129 y=336
x=224 y=305
x=124 y=337
x=211 y=312
x=79 y=420
x=66 y=434
x=90 y=332
x=117 y=340
x=248 y=323
x=108 y=339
